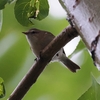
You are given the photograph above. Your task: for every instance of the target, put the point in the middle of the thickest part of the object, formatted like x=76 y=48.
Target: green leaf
x=80 y=47
x=2 y=88
x=43 y=9
x=3 y=3
x=93 y=93
x=27 y=9
x=1 y=19
x=22 y=9
x=11 y=1
x=62 y=4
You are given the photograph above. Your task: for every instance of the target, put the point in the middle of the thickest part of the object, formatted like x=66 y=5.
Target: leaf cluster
x=26 y=10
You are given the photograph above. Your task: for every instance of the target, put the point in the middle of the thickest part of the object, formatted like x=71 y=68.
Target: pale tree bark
x=85 y=15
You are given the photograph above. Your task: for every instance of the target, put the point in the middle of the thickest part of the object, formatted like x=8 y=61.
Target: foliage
x=27 y=9
x=92 y=93
x=2 y=3
x=1 y=20
x=2 y=88
x=56 y=82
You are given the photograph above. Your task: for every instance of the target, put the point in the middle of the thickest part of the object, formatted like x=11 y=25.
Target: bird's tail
x=69 y=64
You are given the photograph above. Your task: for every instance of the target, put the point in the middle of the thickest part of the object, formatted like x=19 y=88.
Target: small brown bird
x=39 y=39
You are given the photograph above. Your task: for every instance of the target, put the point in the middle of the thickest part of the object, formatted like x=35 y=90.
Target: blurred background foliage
x=56 y=82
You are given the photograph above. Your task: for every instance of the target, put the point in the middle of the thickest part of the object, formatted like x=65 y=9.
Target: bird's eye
x=33 y=31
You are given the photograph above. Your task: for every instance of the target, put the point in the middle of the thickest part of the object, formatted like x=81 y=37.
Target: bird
x=39 y=39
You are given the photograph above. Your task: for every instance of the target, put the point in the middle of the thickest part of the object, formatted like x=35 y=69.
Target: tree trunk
x=85 y=15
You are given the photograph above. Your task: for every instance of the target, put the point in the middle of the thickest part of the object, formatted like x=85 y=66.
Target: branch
x=30 y=78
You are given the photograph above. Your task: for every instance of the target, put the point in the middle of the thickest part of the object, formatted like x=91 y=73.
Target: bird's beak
x=25 y=33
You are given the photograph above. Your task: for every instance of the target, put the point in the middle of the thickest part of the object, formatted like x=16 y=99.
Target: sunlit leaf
x=10 y=1
x=62 y=4
x=27 y=9
x=93 y=93
x=2 y=88
x=2 y=4
x=80 y=47
x=70 y=48
x=1 y=19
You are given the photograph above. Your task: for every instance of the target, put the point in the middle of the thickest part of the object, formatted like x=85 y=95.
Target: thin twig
x=30 y=78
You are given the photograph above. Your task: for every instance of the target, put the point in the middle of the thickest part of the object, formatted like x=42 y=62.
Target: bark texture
x=85 y=15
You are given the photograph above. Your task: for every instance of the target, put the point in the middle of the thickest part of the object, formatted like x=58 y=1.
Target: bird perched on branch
x=39 y=39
